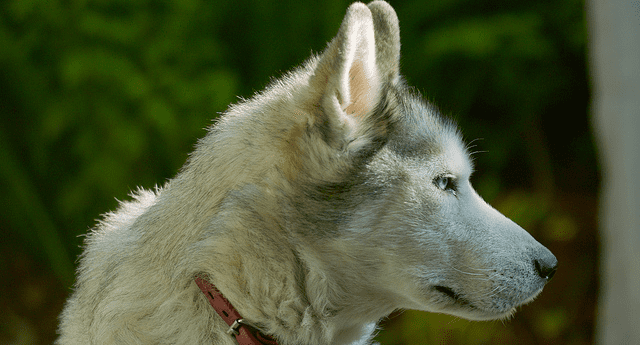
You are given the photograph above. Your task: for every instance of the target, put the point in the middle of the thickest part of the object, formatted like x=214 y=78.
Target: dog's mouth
x=461 y=306
x=457 y=298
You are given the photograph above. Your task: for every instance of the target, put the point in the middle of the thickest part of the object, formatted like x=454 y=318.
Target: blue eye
x=446 y=183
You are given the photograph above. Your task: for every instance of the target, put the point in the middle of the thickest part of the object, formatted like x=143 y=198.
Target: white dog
x=317 y=207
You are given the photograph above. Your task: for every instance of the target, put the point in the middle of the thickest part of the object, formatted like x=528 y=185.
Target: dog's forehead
x=428 y=141
x=421 y=130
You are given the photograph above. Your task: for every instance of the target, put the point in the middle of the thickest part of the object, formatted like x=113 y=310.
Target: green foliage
x=102 y=95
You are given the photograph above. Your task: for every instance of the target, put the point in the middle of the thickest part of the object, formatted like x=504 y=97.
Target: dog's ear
x=387 y=34
x=352 y=73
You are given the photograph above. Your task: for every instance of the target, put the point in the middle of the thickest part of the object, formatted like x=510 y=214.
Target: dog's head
x=389 y=214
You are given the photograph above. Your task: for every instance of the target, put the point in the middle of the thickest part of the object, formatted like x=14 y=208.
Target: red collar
x=245 y=334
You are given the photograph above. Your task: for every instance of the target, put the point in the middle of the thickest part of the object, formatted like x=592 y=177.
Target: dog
x=310 y=211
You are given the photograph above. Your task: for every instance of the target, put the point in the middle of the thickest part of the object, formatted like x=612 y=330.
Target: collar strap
x=245 y=333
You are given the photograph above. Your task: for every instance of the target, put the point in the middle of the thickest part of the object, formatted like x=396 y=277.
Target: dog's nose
x=546 y=265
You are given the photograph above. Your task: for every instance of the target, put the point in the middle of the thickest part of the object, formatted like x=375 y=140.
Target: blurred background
x=101 y=96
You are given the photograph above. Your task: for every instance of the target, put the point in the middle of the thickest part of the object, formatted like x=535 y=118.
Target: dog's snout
x=546 y=265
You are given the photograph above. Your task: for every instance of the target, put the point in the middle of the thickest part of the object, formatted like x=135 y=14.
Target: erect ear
x=387 y=32
x=352 y=72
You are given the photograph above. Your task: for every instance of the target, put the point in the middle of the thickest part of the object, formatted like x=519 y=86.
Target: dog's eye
x=446 y=183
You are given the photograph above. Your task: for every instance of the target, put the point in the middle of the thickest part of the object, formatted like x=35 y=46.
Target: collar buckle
x=233 y=329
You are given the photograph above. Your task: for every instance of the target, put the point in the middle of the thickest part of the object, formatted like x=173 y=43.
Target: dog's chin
x=472 y=313
x=483 y=315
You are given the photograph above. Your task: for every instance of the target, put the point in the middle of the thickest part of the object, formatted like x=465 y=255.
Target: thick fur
x=317 y=207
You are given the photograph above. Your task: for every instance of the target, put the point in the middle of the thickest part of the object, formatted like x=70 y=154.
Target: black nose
x=546 y=265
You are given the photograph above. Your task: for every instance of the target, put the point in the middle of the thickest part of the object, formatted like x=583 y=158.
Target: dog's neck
x=298 y=308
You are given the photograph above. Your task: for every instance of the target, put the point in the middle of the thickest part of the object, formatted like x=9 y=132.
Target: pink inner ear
x=360 y=90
